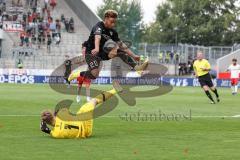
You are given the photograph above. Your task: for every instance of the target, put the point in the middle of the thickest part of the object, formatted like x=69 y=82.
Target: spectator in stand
x=22 y=37
x=160 y=57
x=180 y=69
x=5 y=16
x=57 y=39
x=176 y=57
x=62 y=18
x=171 y=56
x=44 y=36
x=185 y=68
x=0 y=15
x=39 y=39
x=167 y=57
x=53 y=3
x=20 y=64
x=16 y=4
x=49 y=42
x=48 y=13
x=190 y=67
x=66 y=23
x=34 y=39
x=38 y=24
x=26 y=39
x=4 y=7
x=25 y=17
x=58 y=27
x=71 y=25
x=45 y=5
x=53 y=28
x=2 y=1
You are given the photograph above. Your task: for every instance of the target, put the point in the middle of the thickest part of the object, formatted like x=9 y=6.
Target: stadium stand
x=35 y=56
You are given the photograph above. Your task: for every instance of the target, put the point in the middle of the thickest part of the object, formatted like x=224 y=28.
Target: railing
x=186 y=52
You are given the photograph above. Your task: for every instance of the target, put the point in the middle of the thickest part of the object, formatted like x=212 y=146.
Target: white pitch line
x=14 y=115
x=235 y=116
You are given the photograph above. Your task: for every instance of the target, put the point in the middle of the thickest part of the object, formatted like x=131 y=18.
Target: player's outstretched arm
x=44 y=128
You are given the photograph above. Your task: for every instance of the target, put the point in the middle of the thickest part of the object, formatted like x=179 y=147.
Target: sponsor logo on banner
x=31 y=76
x=9 y=26
x=24 y=79
x=225 y=83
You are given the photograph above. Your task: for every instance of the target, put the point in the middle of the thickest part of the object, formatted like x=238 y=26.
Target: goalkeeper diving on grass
x=80 y=128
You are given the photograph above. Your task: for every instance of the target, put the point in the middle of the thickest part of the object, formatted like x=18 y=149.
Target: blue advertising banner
x=179 y=82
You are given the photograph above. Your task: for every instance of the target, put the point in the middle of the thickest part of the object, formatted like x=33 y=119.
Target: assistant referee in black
x=202 y=68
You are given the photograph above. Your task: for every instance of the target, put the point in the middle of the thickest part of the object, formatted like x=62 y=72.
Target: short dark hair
x=234 y=60
x=110 y=14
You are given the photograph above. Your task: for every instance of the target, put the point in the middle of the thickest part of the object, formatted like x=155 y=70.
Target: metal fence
x=34 y=59
x=185 y=52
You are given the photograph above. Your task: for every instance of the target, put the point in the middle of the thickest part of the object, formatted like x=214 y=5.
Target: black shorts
x=93 y=62
x=205 y=80
x=67 y=74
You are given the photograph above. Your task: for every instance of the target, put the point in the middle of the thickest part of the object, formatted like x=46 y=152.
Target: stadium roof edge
x=85 y=14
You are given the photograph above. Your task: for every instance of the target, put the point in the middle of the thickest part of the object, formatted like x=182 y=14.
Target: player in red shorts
x=81 y=80
x=87 y=83
x=234 y=69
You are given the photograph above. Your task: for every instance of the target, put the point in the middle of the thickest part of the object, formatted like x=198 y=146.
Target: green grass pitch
x=211 y=133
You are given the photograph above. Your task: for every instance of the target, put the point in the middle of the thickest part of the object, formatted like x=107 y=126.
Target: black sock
x=87 y=74
x=216 y=93
x=209 y=95
x=126 y=58
x=68 y=82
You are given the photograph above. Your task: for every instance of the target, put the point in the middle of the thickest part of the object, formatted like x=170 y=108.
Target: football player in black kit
x=102 y=35
x=68 y=69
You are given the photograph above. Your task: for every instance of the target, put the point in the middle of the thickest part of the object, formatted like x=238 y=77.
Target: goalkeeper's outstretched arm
x=47 y=118
x=44 y=128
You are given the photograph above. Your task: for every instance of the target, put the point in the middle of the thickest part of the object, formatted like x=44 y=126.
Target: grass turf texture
x=208 y=135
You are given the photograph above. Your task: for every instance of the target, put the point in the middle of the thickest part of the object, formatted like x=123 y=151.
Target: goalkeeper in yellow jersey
x=80 y=127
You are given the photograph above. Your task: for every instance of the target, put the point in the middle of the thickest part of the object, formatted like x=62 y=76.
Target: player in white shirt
x=234 y=69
